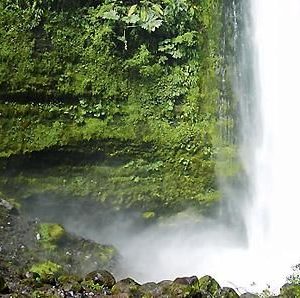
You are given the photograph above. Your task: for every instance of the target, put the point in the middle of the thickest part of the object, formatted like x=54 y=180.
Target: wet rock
x=228 y=293
x=164 y=283
x=186 y=280
x=249 y=295
x=209 y=285
x=180 y=287
x=6 y=205
x=70 y=283
x=3 y=287
x=177 y=290
x=102 y=278
x=148 y=290
x=127 y=286
x=47 y=272
x=49 y=235
x=155 y=289
x=148 y=287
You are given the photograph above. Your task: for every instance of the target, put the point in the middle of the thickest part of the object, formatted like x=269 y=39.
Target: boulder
x=70 y=283
x=150 y=289
x=102 y=278
x=209 y=285
x=176 y=290
x=156 y=290
x=127 y=286
x=186 y=280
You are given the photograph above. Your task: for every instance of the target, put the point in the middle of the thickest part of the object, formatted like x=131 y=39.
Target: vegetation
x=133 y=81
x=50 y=234
x=45 y=270
x=292 y=287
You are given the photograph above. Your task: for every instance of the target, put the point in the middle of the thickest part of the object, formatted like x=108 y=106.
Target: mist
x=185 y=244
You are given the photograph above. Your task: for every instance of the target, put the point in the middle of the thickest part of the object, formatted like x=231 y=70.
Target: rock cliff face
x=113 y=101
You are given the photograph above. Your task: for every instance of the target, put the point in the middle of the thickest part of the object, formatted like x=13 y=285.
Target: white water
x=274 y=216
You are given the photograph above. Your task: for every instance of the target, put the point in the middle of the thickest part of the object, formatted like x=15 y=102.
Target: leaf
x=152 y=24
x=111 y=15
x=122 y=38
x=132 y=10
x=158 y=9
x=144 y=14
x=133 y=19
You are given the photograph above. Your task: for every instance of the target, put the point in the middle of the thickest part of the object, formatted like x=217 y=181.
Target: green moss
x=106 y=254
x=90 y=285
x=209 y=285
x=177 y=290
x=70 y=282
x=155 y=121
x=290 y=291
x=50 y=234
x=42 y=294
x=46 y=269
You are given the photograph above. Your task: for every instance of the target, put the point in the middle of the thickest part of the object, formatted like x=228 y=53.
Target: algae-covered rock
x=207 y=284
x=102 y=278
x=152 y=289
x=149 y=289
x=177 y=290
x=49 y=234
x=228 y=293
x=70 y=283
x=127 y=286
x=47 y=271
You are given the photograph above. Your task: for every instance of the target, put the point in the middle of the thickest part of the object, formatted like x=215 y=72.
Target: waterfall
x=273 y=217
x=266 y=86
x=265 y=65
x=276 y=164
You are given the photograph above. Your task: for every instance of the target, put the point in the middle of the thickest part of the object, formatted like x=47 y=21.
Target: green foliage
x=292 y=288
x=139 y=75
x=92 y=286
x=294 y=278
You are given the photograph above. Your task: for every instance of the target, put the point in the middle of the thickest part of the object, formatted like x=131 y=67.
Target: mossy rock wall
x=97 y=104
